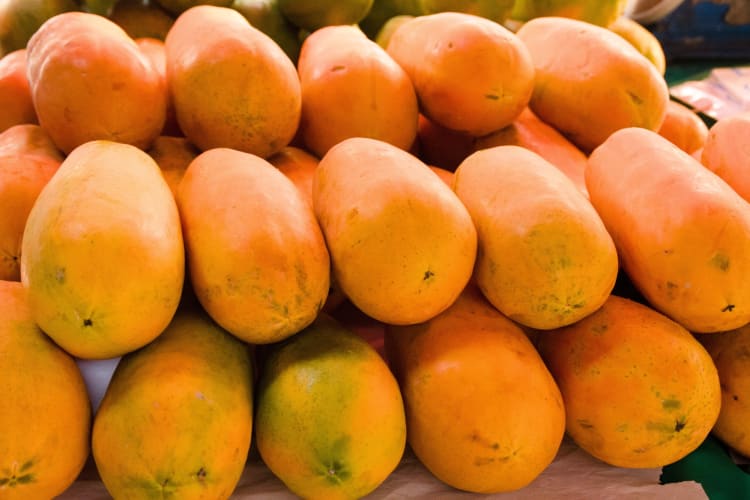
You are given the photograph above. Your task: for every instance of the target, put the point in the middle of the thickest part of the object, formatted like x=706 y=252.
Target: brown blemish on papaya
x=728 y=308
x=88 y=322
x=60 y=275
x=493 y=97
x=338 y=67
x=637 y=100
x=679 y=425
x=201 y=474
x=585 y=424
x=671 y=404
x=720 y=261
x=427 y=275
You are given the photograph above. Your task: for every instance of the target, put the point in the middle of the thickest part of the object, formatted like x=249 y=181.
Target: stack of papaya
x=328 y=233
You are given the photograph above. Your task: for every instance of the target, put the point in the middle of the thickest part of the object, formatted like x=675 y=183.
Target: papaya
x=15 y=95
x=730 y=352
x=119 y=97
x=589 y=81
x=640 y=391
x=176 y=419
x=254 y=103
x=529 y=132
x=483 y=412
x=256 y=256
x=470 y=74
x=402 y=244
x=684 y=128
x=681 y=232
x=545 y=258
x=28 y=159
x=339 y=64
x=330 y=420
x=46 y=412
x=102 y=255
x=726 y=152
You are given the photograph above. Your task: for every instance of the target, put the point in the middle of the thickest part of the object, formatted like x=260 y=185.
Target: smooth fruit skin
x=102 y=254
x=231 y=84
x=257 y=259
x=640 y=391
x=545 y=258
x=471 y=74
x=528 y=131
x=730 y=352
x=176 y=419
x=351 y=87
x=726 y=152
x=402 y=244
x=45 y=411
x=483 y=412
x=28 y=160
x=682 y=233
x=16 y=105
x=89 y=81
x=685 y=129
x=590 y=82
x=330 y=419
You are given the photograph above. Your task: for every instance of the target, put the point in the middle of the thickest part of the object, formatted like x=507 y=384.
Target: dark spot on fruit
x=338 y=67
x=720 y=261
x=585 y=424
x=60 y=275
x=599 y=329
x=495 y=446
x=479 y=461
x=735 y=397
x=728 y=308
x=87 y=322
x=679 y=425
x=671 y=285
x=494 y=97
x=671 y=404
x=427 y=275
x=635 y=98
x=201 y=474
x=668 y=251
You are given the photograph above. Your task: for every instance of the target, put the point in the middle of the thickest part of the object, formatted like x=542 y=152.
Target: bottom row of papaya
x=483 y=404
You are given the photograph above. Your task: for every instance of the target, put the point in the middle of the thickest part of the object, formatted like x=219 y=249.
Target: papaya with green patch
x=640 y=391
x=46 y=415
x=330 y=420
x=176 y=419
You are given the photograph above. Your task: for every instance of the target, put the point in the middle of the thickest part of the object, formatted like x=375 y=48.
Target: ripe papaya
x=176 y=418
x=102 y=254
x=681 y=232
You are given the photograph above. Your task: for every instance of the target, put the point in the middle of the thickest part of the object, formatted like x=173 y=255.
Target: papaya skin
x=589 y=81
x=404 y=254
x=727 y=154
x=682 y=234
x=330 y=421
x=176 y=419
x=45 y=406
x=545 y=258
x=106 y=217
x=15 y=95
x=351 y=87
x=500 y=434
x=89 y=81
x=684 y=128
x=640 y=391
x=257 y=258
x=729 y=351
x=529 y=132
x=471 y=75
x=255 y=100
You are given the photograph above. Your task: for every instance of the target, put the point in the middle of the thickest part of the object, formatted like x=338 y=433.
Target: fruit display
x=331 y=239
